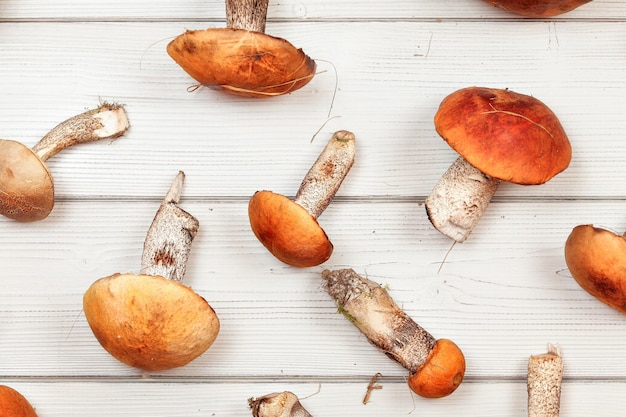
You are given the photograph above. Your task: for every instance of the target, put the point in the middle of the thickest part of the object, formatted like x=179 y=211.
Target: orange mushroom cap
x=538 y=8
x=596 y=258
x=287 y=230
x=149 y=322
x=442 y=372
x=26 y=185
x=14 y=404
x=242 y=62
x=506 y=135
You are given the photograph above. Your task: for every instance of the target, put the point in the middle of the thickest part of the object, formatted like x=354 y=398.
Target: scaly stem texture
x=247 y=14
x=106 y=122
x=323 y=180
x=168 y=241
x=545 y=374
x=372 y=310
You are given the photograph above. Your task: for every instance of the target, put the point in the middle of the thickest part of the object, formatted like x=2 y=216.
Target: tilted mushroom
x=596 y=258
x=538 y=8
x=26 y=184
x=436 y=366
x=289 y=229
x=152 y=321
x=500 y=136
x=14 y=404
x=278 y=404
x=241 y=59
x=545 y=374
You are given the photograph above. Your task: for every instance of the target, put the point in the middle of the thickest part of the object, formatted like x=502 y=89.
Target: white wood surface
x=502 y=295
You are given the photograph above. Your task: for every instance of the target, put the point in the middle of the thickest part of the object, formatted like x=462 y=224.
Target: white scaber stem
x=247 y=14
x=545 y=375
x=279 y=404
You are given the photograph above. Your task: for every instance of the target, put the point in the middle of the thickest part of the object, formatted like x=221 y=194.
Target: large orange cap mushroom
x=538 y=8
x=506 y=135
x=14 y=404
x=442 y=373
x=596 y=258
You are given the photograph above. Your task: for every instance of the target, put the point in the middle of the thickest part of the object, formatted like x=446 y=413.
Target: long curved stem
x=105 y=122
x=168 y=241
x=247 y=14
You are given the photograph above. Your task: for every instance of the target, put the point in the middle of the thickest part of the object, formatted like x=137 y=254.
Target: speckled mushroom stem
x=247 y=14
x=545 y=374
x=108 y=121
x=321 y=183
x=372 y=310
x=168 y=241
x=459 y=199
x=279 y=404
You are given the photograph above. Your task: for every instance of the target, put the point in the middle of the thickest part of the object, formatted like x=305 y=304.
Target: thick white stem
x=545 y=374
x=247 y=14
x=279 y=404
x=459 y=199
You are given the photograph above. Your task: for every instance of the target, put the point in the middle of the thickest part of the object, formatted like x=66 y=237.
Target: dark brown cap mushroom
x=151 y=320
x=241 y=59
x=500 y=136
x=289 y=229
x=14 y=404
x=538 y=8
x=596 y=258
x=26 y=185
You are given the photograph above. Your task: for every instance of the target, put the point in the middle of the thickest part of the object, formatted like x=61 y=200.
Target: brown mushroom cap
x=14 y=404
x=538 y=8
x=149 y=322
x=26 y=185
x=596 y=258
x=242 y=62
x=506 y=135
x=287 y=230
x=442 y=373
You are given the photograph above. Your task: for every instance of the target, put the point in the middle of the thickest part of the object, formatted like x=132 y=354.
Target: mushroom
x=278 y=404
x=152 y=321
x=289 y=229
x=545 y=374
x=26 y=184
x=538 y=8
x=436 y=366
x=241 y=59
x=500 y=136
x=14 y=404
x=596 y=258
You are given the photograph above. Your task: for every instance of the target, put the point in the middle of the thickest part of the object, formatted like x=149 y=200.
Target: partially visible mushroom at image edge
x=150 y=320
x=538 y=8
x=436 y=366
x=500 y=135
x=26 y=184
x=289 y=229
x=278 y=404
x=241 y=59
x=14 y=404
x=596 y=258
x=544 y=380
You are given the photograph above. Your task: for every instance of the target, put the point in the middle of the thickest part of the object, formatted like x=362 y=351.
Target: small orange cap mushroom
x=538 y=8
x=442 y=372
x=149 y=322
x=596 y=258
x=14 y=404
x=287 y=230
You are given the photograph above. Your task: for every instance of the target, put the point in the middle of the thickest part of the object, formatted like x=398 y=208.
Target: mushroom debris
x=289 y=229
x=26 y=184
x=241 y=59
x=545 y=374
x=596 y=258
x=152 y=321
x=279 y=404
x=500 y=136
x=436 y=366
x=14 y=404
x=538 y=8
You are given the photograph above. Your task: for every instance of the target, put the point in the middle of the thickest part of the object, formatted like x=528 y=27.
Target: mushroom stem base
x=545 y=374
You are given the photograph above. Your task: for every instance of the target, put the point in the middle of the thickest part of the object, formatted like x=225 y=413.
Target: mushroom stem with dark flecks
x=289 y=229
x=538 y=8
x=241 y=59
x=500 y=136
x=279 y=404
x=436 y=366
x=26 y=184
x=152 y=321
x=545 y=374
x=14 y=404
